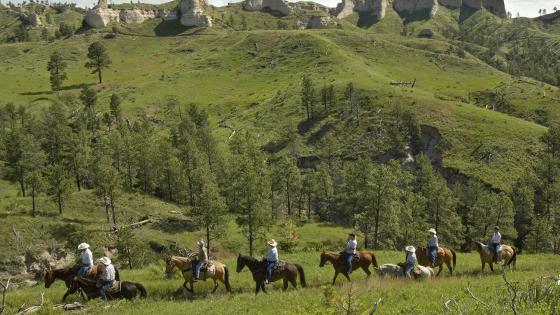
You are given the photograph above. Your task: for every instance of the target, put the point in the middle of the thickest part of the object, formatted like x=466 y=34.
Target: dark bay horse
x=444 y=256
x=288 y=273
x=339 y=264
x=67 y=274
x=128 y=290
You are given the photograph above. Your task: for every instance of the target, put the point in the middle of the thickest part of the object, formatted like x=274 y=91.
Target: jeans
x=197 y=270
x=348 y=258
x=496 y=249
x=269 y=267
x=409 y=268
x=83 y=269
x=433 y=254
x=105 y=285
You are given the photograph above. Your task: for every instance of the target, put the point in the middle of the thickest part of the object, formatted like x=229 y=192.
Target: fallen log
x=32 y=309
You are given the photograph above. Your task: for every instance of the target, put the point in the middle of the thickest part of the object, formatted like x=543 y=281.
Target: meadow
x=397 y=295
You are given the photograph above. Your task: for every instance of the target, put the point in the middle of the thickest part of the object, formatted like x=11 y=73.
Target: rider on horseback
x=433 y=246
x=350 y=251
x=107 y=277
x=202 y=259
x=495 y=243
x=271 y=259
x=411 y=260
x=86 y=259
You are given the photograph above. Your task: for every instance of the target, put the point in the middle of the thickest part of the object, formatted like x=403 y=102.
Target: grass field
x=398 y=295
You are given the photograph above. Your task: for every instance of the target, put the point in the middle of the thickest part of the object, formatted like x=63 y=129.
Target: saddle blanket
x=116 y=288
x=280 y=266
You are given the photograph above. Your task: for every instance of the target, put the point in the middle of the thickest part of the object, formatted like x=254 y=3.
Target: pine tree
x=56 y=67
x=116 y=111
x=307 y=95
x=59 y=185
x=88 y=97
x=107 y=184
x=98 y=59
x=35 y=181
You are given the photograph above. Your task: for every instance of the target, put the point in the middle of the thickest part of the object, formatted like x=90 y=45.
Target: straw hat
x=432 y=231
x=410 y=249
x=272 y=243
x=83 y=246
x=105 y=260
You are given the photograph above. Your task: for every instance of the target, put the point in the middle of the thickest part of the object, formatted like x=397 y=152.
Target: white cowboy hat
x=410 y=249
x=433 y=231
x=105 y=260
x=83 y=246
x=272 y=243
x=200 y=242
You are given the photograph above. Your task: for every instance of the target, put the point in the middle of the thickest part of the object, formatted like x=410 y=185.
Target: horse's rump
x=116 y=288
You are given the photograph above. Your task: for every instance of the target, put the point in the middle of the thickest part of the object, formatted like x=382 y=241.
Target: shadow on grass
x=319 y=134
x=170 y=28
x=64 y=88
x=174 y=226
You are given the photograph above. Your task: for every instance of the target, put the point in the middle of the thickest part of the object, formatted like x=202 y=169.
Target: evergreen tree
x=107 y=184
x=307 y=95
x=34 y=179
x=59 y=185
x=98 y=59
x=115 y=107
x=57 y=69
x=88 y=97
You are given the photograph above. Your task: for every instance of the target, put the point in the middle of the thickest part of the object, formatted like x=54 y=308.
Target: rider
x=496 y=240
x=433 y=246
x=350 y=251
x=86 y=259
x=411 y=260
x=271 y=259
x=202 y=259
x=107 y=277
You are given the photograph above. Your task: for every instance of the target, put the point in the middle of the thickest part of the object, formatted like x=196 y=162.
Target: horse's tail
x=226 y=279
x=454 y=254
x=373 y=259
x=301 y=275
x=513 y=258
x=143 y=293
x=117 y=275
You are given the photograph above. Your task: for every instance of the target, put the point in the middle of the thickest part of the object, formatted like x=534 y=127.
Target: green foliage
x=130 y=248
x=59 y=185
x=57 y=66
x=98 y=59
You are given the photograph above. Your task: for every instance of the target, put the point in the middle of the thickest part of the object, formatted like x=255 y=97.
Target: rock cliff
x=281 y=6
x=406 y=7
x=347 y=7
x=192 y=13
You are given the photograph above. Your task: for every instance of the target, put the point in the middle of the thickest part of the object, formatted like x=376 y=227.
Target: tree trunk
x=59 y=201
x=169 y=186
x=288 y=198
x=33 y=200
x=250 y=235
x=22 y=188
x=106 y=208
x=99 y=75
x=208 y=238
x=113 y=211
x=78 y=182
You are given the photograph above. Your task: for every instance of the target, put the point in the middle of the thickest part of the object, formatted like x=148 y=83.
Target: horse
x=67 y=274
x=419 y=272
x=366 y=258
x=288 y=273
x=185 y=264
x=126 y=289
x=444 y=255
x=508 y=254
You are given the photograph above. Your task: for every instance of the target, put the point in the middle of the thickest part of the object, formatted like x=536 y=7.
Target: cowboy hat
x=497 y=228
x=105 y=260
x=410 y=249
x=200 y=242
x=432 y=231
x=272 y=243
x=83 y=246
x=352 y=234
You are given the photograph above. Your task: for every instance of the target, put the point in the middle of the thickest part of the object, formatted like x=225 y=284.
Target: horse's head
x=324 y=259
x=474 y=245
x=169 y=265
x=240 y=263
x=49 y=278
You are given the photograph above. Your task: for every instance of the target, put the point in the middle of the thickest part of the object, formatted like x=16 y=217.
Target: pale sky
x=528 y=8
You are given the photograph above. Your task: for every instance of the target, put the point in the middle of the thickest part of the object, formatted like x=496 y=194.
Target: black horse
x=67 y=275
x=287 y=272
x=128 y=290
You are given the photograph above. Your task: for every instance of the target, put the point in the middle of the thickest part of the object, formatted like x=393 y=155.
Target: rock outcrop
x=192 y=13
x=138 y=16
x=101 y=15
x=280 y=6
x=318 y=22
x=496 y=7
x=406 y=7
x=34 y=20
x=347 y=7
x=451 y=3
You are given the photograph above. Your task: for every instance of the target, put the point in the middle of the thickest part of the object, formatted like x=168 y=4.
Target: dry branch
x=32 y=309
x=468 y=290
x=5 y=287
x=375 y=306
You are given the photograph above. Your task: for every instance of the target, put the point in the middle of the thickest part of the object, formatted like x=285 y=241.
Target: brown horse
x=126 y=289
x=444 y=255
x=288 y=273
x=185 y=264
x=67 y=274
x=339 y=264
x=508 y=255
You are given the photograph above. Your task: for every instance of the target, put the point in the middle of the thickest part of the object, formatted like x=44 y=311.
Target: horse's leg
x=257 y=288
x=294 y=282
x=491 y=266
x=67 y=294
x=439 y=271
x=263 y=287
x=366 y=270
x=334 y=279
x=483 y=265
x=347 y=276
x=215 y=285
x=285 y=284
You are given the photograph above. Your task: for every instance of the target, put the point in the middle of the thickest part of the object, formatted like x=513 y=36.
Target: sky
x=529 y=8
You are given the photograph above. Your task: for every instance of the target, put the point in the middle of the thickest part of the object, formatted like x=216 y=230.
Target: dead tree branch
x=468 y=290
x=32 y=309
x=5 y=287
x=375 y=306
x=512 y=290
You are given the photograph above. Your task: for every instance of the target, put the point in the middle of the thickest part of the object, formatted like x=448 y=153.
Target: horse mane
x=479 y=245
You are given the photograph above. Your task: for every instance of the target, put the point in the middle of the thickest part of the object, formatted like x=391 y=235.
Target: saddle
x=280 y=266
x=416 y=272
x=355 y=258
x=116 y=288
x=207 y=270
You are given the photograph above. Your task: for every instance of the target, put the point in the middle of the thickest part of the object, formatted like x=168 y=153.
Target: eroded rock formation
x=347 y=7
x=192 y=13
x=318 y=22
x=407 y=7
x=451 y=3
x=281 y=6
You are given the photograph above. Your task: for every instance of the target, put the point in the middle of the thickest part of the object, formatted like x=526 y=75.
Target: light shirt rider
x=86 y=257
x=496 y=238
x=272 y=255
x=411 y=259
x=433 y=241
x=351 y=246
x=108 y=274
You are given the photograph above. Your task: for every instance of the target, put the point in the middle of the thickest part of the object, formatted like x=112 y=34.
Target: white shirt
x=86 y=257
x=108 y=273
x=272 y=255
x=351 y=246
x=411 y=259
x=496 y=238
x=433 y=241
